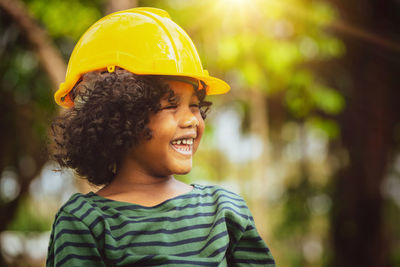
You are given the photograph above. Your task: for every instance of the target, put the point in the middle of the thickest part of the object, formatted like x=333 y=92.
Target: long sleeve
x=249 y=249
x=72 y=243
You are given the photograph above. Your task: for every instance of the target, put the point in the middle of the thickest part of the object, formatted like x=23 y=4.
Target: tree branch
x=48 y=55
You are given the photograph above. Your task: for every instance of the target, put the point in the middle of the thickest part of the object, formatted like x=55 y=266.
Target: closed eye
x=195 y=105
x=170 y=107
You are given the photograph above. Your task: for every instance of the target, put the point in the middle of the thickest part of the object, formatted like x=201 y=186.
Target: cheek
x=200 y=128
x=200 y=131
x=162 y=127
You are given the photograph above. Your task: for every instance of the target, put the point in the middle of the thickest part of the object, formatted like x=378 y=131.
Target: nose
x=189 y=119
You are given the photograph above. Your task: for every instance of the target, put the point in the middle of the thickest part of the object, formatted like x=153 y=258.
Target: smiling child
x=135 y=92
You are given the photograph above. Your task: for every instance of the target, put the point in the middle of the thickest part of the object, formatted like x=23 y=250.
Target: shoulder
x=218 y=191
x=78 y=209
x=225 y=200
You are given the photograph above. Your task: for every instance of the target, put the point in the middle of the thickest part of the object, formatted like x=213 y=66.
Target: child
x=136 y=92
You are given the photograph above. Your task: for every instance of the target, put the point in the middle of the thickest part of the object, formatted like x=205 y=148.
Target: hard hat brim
x=215 y=86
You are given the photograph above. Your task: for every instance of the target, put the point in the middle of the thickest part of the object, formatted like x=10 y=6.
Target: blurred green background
x=309 y=133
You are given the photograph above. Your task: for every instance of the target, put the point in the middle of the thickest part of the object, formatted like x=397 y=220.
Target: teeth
x=188 y=141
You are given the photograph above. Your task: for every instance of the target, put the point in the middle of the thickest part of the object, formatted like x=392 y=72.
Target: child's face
x=174 y=125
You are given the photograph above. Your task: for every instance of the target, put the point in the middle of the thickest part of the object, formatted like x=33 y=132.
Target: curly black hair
x=110 y=114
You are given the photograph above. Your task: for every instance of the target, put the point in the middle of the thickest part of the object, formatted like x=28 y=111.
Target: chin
x=183 y=170
x=181 y=166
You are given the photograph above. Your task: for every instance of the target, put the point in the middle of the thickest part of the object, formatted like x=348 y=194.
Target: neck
x=131 y=177
x=135 y=179
x=135 y=185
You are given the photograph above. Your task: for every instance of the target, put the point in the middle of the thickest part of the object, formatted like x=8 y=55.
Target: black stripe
x=104 y=208
x=144 y=207
x=72 y=231
x=76 y=219
x=68 y=219
x=232 y=237
x=250 y=228
x=70 y=202
x=135 y=206
x=234 y=224
x=74 y=244
x=161 y=243
x=250 y=249
x=77 y=208
x=251 y=239
x=196 y=252
x=221 y=189
x=116 y=215
x=218 y=251
x=145 y=259
x=216 y=237
x=139 y=262
x=83 y=216
x=265 y=261
x=94 y=223
x=186 y=262
x=130 y=206
x=81 y=257
x=235 y=211
x=126 y=255
x=184 y=217
x=165 y=231
x=208 y=204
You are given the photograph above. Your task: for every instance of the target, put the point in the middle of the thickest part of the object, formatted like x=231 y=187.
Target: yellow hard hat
x=144 y=41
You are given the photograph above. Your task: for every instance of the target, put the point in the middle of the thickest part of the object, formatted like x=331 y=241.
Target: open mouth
x=183 y=146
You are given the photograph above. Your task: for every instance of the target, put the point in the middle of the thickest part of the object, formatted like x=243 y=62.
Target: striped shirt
x=208 y=226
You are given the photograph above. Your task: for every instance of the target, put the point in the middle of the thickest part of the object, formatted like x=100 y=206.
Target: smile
x=184 y=146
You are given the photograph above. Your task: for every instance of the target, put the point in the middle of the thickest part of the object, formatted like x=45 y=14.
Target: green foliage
x=65 y=18
x=329 y=127
x=24 y=83
x=30 y=218
x=327 y=99
x=307 y=95
x=282 y=58
x=265 y=45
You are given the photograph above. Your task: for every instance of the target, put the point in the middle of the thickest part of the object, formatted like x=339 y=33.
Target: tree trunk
x=21 y=148
x=117 y=5
x=367 y=125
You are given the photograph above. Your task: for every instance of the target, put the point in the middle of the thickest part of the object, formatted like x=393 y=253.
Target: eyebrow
x=177 y=98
